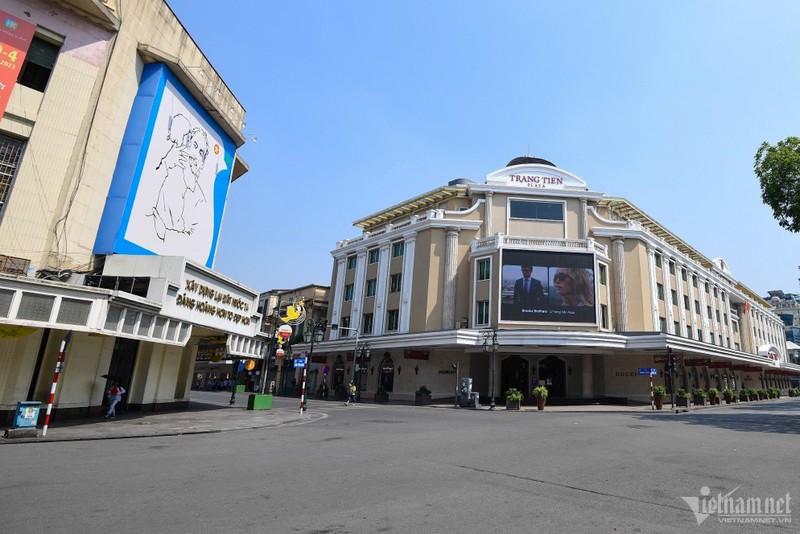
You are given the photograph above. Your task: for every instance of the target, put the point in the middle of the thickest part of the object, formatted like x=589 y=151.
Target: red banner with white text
x=15 y=38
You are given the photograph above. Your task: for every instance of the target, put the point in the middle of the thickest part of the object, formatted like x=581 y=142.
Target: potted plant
x=729 y=394
x=682 y=397
x=422 y=397
x=713 y=395
x=513 y=399
x=381 y=395
x=540 y=392
x=659 y=392
x=699 y=397
x=744 y=395
x=763 y=394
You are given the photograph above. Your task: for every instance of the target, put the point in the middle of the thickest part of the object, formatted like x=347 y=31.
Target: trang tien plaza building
x=565 y=286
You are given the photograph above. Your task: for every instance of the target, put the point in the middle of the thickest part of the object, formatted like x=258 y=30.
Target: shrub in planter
x=540 y=393
x=699 y=397
x=422 y=397
x=513 y=399
x=713 y=395
x=682 y=397
x=763 y=394
x=659 y=392
x=729 y=394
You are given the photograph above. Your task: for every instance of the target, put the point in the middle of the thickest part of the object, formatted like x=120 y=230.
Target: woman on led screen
x=574 y=287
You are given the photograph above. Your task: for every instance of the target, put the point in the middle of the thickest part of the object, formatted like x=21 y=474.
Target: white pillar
x=621 y=305
x=450 y=264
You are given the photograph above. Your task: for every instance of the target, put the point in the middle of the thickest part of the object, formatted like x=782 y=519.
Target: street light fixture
x=314 y=331
x=361 y=353
x=490 y=341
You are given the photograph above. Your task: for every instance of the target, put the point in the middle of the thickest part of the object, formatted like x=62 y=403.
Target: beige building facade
x=432 y=282
x=103 y=234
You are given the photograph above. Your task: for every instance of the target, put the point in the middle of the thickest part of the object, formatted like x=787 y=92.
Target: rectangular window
x=10 y=152
x=660 y=291
x=398 y=249
x=686 y=302
x=715 y=292
x=672 y=267
x=351 y=262
x=483 y=312
x=348 y=292
x=396 y=283
x=484 y=269
x=369 y=319
x=39 y=63
x=711 y=336
x=658 y=260
x=706 y=286
x=674 y=295
x=602 y=274
x=694 y=281
x=684 y=276
x=374 y=255
x=372 y=285
x=736 y=346
x=677 y=329
x=717 y=312
x=708 y=311
x=725 y=318
x=345 y=323
x=603 y=316
x=662 y=324
x=539 y=211
x=697 y=307
x=392 y=317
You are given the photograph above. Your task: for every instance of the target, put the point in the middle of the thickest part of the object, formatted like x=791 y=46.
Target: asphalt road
x=405 y=469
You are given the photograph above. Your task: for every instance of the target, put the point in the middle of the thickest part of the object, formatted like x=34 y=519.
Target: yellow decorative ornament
x=9 y=330
x=295 y=313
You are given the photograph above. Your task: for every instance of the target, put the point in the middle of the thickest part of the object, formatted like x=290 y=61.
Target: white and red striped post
x=59 y=365
x=303 y=388
x=652 y=399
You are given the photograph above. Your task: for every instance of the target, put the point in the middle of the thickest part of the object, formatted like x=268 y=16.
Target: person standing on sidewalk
x=115 y=395
x=351 y=392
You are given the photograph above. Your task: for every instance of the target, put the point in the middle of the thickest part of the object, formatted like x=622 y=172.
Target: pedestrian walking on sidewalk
x=351 y=392
x=115 y=394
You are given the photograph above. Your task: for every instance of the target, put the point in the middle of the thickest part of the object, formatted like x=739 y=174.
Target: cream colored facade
x=72 y=131
x=429 y=278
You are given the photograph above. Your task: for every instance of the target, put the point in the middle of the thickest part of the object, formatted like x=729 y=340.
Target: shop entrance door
x=553 y=375
x=514 y=374
x=121 y=367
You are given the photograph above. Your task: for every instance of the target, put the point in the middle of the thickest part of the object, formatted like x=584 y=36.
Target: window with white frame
x=482 y=311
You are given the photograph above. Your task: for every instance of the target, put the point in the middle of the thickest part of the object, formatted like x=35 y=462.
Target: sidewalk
x=207 y=418
x=198 y=419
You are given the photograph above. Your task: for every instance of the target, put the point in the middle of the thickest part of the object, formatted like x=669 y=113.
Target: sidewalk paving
x=203 y=418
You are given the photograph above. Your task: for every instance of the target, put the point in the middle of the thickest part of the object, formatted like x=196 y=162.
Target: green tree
x=778 y=171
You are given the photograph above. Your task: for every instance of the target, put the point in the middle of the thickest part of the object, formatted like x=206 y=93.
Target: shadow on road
x=765 y=419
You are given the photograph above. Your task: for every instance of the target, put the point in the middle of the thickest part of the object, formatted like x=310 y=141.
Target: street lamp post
x=490 y=341
x=362 y=352
x=315 y=331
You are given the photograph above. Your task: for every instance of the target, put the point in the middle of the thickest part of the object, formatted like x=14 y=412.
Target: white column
x=338 y=295
x=692 y=311
x=621 y=305
x=651 y=272
x=358 y=289
x=679 y=269
x=408 y=278
x=380 y=289
x=489 y=195
x=450 y=264
x=583 y=224
x=670 y=316
x=701 y=287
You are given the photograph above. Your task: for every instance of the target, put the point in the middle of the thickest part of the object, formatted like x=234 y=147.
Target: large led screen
x=547 y=286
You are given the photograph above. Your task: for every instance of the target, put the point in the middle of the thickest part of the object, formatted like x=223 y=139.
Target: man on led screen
x=528 y=290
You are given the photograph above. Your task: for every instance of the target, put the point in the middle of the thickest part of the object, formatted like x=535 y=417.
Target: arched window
x=387 y=373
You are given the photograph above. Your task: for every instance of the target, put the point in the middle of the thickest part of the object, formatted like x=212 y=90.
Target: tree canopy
x=778 y=171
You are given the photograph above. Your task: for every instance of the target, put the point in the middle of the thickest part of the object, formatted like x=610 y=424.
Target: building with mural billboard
x=529 y=278
x=119 y=145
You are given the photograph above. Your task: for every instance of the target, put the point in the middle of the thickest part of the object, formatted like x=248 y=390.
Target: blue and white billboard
x=168 y=193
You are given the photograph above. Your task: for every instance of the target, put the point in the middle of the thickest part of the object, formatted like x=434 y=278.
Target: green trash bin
x=259 y=402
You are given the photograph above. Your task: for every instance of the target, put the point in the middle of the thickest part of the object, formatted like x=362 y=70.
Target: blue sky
x=359 y=105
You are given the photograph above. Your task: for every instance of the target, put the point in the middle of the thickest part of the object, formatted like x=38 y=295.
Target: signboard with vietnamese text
x=15 y=38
